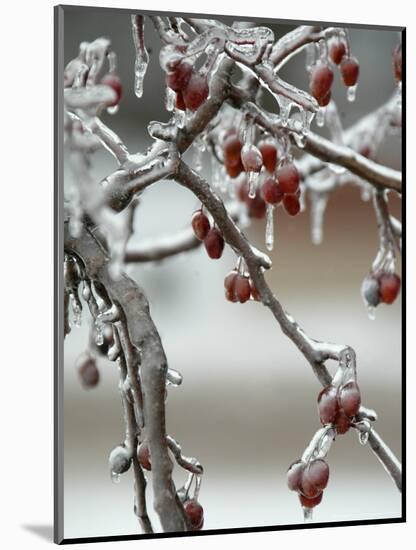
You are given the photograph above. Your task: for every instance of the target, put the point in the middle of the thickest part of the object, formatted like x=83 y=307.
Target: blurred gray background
x=247 y=406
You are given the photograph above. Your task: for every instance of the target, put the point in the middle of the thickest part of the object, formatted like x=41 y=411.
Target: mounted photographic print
x=229 y=281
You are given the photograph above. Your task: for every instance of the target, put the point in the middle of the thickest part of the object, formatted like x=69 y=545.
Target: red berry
x=234 y=171
x=251 y=158
x=307 y=488
x=178 y=78
x=324 y=101
x=88 y=372
x=196 y=92
x=389 y=287
x=143 y=456
x=365 y=151
x=321 y=80
x=242 y=192
x=318 y=473
x=337 y=51
x=256 y=208
x=291 y=204
x=200 y=225
x=288 y=178
x=350 y=70
x=294 y=475
x=328 y=405
x=350 y=399
x=272 y=192
x=342 y=422
x=397 y=62
x=310 y=502
x=269 y=154
x=195 y=513
x=180 y=103
x=242 y=289
x=214 y=243
x=232 y=150
x=229 y=285
x=113 y=82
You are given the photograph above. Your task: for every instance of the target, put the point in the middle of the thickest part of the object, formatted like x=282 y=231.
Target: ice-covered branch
x=163 y=247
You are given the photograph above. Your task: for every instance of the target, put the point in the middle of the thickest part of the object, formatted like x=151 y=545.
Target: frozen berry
x=288 y=178
x=328 y=405
x=307 y=488
x=242 y=289
x=337 y=50
x=350 y=70
x=214 y=243
x=294 y=475
x=291 y=204
x=310 y=502
x=251 y=158
x=200 y=225
x=324 y=101
x=229 y=285
x=317 y=473
x=269 y=154
x=397 y=62
x=88 y=372
x=195 y=513
x=196 y=92
x=143 y=456
x=113 y=82
x=272 y=192
x=389 y=287
x=119 y=460
x=178 y=78
x=370 y=290
x=256 y=208
x=350 y=398
x=321 y=80
x=342 y=422
x=180 y=103
x=234 y=171
x=232 y=150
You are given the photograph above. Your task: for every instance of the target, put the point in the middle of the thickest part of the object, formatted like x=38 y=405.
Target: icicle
x=285 y=105
x=351 y=93
x=252 y=184
x=307 y=514
x=170 y=98
x=99 y=334
x=76 y=310
x=320 y=117
x=142 y=57
x=174 y=377
x=270 y=227
x=179 y=118
x=318 y=205
x=307 y=118
x=371 y=311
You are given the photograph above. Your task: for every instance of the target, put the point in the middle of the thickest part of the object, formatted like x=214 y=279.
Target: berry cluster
x=308 y=479
x=382 y=287
x=322 y=76
x=211 y=236
x=191 y=86
x=339 y=405
x=239 y=288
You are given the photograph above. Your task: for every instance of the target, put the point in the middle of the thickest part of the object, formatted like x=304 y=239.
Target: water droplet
x=174 y=377
x=363 y=437
x=115 y=478
x=307 y=514
x=270 y=227
x=113 y=110
x=351 y=93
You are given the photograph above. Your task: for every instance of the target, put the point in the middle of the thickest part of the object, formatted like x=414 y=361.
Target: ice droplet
x=320 y=117
x=140 y=68
x=366 y=193
x=113 y=110
x=270 y=227
x=284 y=105
x=307 y=118
x=115 y=478
x=371 y=310
x=252 y=181
x=363 y=437
x=174 y=377
x=351 y=93
x=307 y=514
